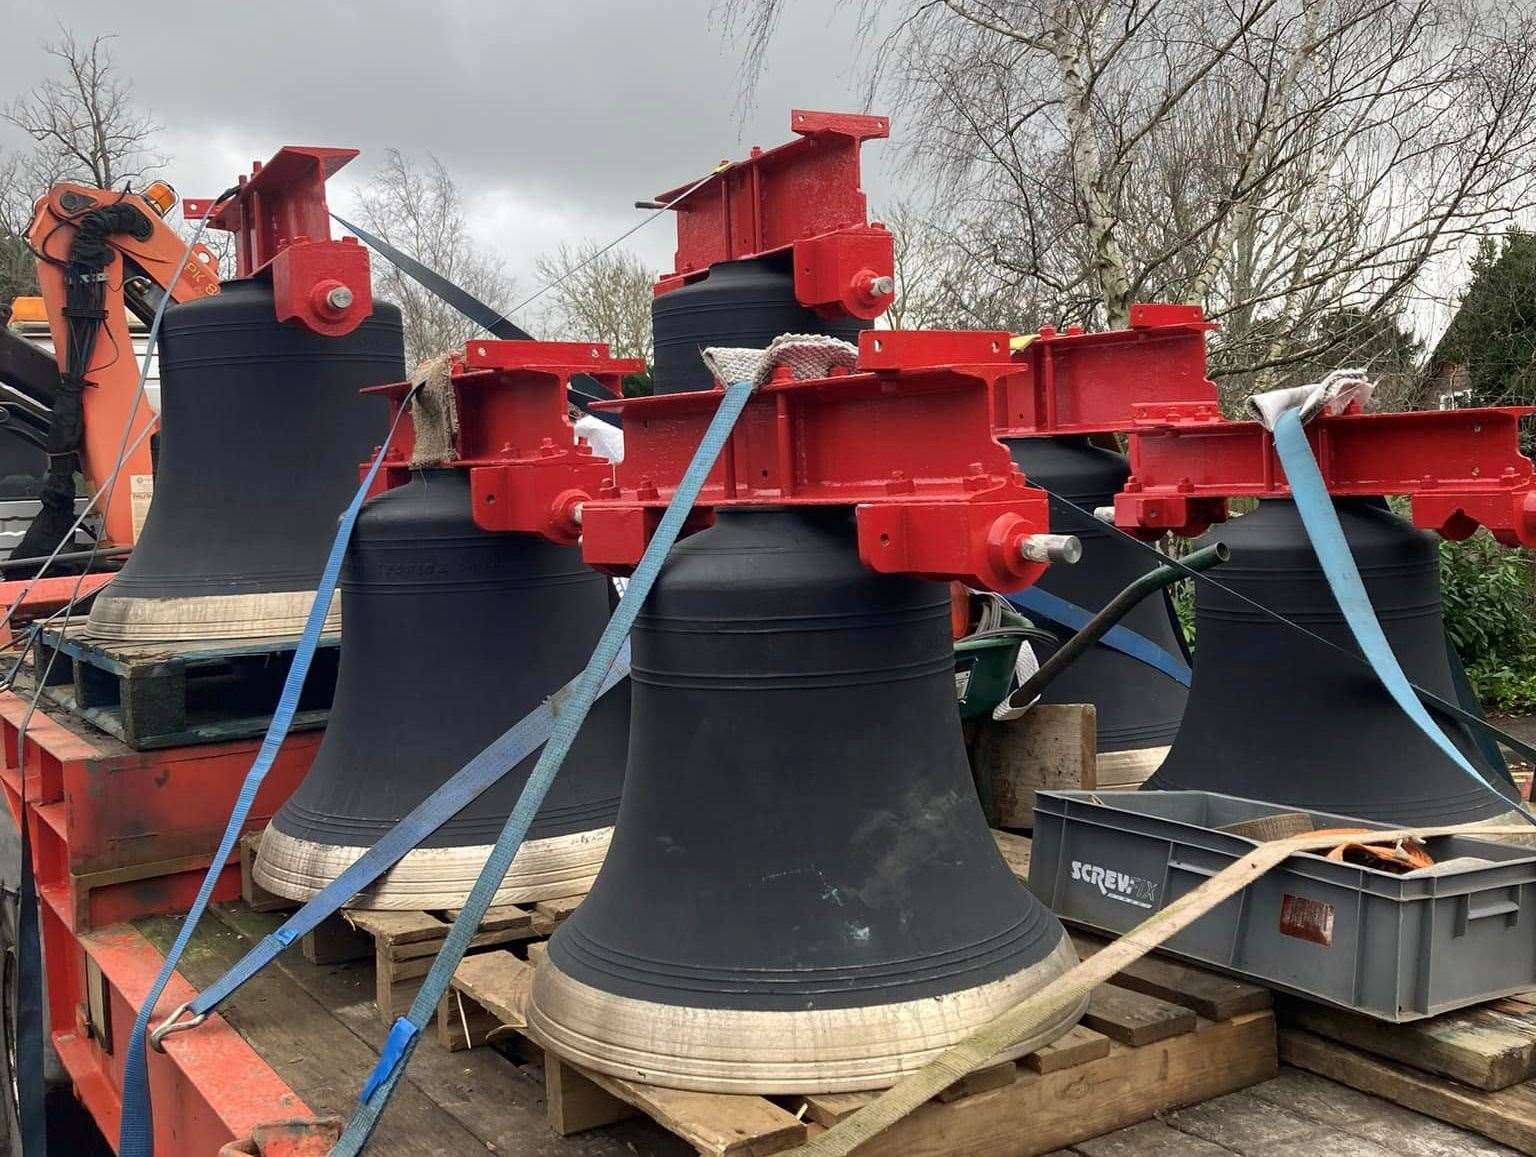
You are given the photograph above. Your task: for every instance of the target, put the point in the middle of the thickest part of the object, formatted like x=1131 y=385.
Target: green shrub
x=1491 y=619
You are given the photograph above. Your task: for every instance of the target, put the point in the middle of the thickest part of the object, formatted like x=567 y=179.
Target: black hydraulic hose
x=1116 y=609
x=67 y=557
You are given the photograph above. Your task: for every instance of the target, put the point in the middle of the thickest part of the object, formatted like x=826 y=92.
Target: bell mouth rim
x=428 y=878
x=193 y=618
x=1133 y=761
x=834 y=1050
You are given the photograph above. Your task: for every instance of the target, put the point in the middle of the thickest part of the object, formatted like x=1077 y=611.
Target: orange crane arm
x=141 y=260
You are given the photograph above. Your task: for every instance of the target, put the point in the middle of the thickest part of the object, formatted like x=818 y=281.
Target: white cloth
x=808 y=355
x=1329 y=396
x=605 y=440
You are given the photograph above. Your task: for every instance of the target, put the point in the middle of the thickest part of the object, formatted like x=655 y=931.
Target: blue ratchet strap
x=406 y=1032
x=1055 y=609
x=1321 y=522
x=516 y=744
x=136 y=1132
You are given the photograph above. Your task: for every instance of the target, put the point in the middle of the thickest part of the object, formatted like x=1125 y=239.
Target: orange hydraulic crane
x=101 y=252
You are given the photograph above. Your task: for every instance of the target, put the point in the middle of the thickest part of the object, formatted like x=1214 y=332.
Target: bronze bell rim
x=1123 y=766
x=130 y=619
x=830 y=1050
x=548 y=869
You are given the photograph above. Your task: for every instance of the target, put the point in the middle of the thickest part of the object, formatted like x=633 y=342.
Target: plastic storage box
x=1391 y=946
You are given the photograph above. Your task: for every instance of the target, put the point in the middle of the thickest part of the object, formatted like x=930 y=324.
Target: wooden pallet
x=403 y=943
x=1475 y=1068
x=155 y=695
x=1161 y=1036
x=1133 y=1056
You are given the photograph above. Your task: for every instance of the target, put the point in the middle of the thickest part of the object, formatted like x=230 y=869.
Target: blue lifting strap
x=136 y=1132
x=1064 y=613
x=407 y=1030
x=1321 y=522
x=516 y=744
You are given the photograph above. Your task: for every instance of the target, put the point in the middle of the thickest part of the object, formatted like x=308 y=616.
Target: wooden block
x=335 y=941
x=575 y=1104
x=463 y=1024
x=259 y=899
x=498 y=982
x=992 y=1077
x=1135 y=1019
x=1489 y=1047
x=1507 y=1115
x=1043 y=1112
x=154 y=704
x=1015 y=852
x=827 y=1109
x=426 y=949
x=397 y=927
x=499 y=918
x=716 y=1124
x=1211 y=996
x=1052 y=747
x=1080 y=1045
x=550 y=914
x=538 y=950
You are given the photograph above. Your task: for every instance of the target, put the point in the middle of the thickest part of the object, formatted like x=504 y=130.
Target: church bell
x=453 y=634
x=1139 y=707
x=801 y=893
x=1273 y=715
x=261 y=431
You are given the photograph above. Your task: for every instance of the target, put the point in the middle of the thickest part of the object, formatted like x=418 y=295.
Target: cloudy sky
x=553 y=117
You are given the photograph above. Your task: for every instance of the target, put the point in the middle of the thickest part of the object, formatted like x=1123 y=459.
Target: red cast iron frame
x=283 y=228
x=909 y=448
x=802 y=200
x=528 y=471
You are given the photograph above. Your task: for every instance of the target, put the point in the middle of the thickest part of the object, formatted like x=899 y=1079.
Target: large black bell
x=737 y=303
x=1138 y=706
x=261 y=431
x=453 y=635
x=801 y=893
x=1273 y=715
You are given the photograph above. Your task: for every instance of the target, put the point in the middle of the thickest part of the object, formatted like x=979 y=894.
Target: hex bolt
x=339 y=298
x=1057 y=548
x=882 y=286
x=1105 y=514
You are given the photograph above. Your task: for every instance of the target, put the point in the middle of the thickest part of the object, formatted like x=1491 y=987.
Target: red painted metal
x=29 y=599
x=801 y=198
x=528 y=471
x=282 y=226
x=1461 y=469
x=911 y=450
x=118 y=834
x=1091 y=383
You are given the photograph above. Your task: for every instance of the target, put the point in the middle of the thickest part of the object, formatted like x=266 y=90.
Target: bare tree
x=18 y=268
x=1298 y=167
x=418 y=208
x=85 y=123
x=599 y=296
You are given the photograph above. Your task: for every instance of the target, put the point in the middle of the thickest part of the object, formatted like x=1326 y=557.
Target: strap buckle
x=170 y=1024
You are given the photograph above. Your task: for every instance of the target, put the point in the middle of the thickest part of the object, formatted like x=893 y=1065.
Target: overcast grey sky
x=554 y=117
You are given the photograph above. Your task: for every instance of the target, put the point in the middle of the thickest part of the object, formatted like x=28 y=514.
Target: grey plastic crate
x=1395 y=947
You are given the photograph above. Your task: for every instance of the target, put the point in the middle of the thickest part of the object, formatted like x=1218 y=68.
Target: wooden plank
x=1052 y=747
x=1042 y=1112
x=463 y=1024
x=1206 y=993
x=982 y=1080
x=1489 y=1047
x=716 y=1124
x=1080 y=1045
x=305 y=1045
x=492 y=1097
x=500 y=983
x=397 y=927
x=1133 y=1018
x=1015 y=853
x=574 y=1103
x=550 y=914
x=1507 y=1115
